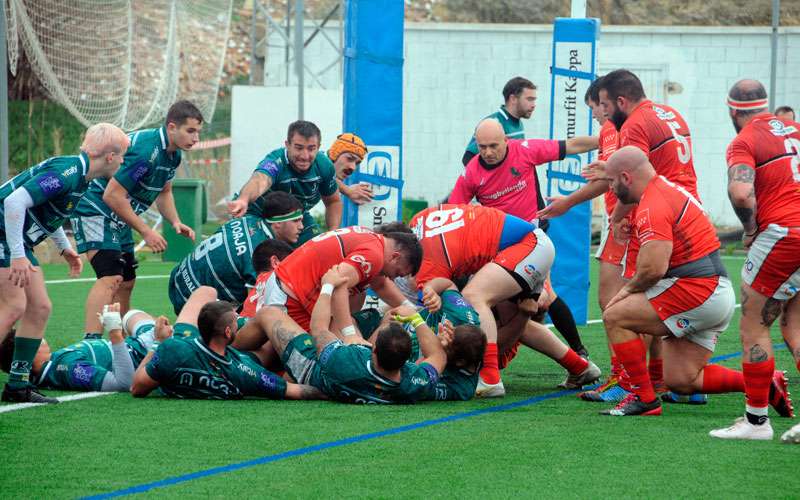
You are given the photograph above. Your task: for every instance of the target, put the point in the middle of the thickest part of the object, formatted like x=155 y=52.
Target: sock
x=632 y=354
x=616 y=368
x=573 y=363
x=719 y=379
x=798 y=364
x=24 y=352
x=565 y=324
x=655 y=367
x=490 y=373
x=757 y=380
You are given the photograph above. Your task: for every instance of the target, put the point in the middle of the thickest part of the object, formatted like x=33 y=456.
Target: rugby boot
x=742 y=429
x=779 y=396
x=632 y=406
x=27 y=394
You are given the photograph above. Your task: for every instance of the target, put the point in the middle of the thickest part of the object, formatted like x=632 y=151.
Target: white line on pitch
x=62 y=399
x=87 y=280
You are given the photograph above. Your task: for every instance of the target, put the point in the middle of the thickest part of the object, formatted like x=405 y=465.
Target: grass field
x=536 y=442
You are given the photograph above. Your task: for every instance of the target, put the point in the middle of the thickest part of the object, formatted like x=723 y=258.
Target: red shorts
x=772 y=267
x=610 y=250
x=530 y=259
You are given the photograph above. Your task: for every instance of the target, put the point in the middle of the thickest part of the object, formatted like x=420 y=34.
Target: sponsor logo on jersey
x=246 y=369
x=154 y=155
x=663 y=114
x=363 y=263
x=70 y=171
x=82 y=374
x=682 y=323
x=780 y=129
x=520 y=186
x=530 y=269
x=50 y=184
x=748 y=265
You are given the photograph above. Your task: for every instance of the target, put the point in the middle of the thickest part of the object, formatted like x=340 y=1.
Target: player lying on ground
x=198 y=362
x=763 y=177
x=104 y=218
x=351 y=371
x=34 y=205
x=91 y=364
x=680 y=291
x=509 y=258
x=456 y=325
x=224 y=261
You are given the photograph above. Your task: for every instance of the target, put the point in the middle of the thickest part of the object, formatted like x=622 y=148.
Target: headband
x=285 y=217
x=747 y=105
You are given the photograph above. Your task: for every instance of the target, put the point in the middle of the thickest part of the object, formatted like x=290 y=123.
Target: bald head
x=747 y=90
x=630 y=171
x=491 y=140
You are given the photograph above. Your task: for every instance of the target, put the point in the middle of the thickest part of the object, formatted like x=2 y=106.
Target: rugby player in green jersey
x=350 y=371
x=224 y=261
x=34 y=205
x=104 y=219
x=91 y=364
x=198 y=362
x=298 y=168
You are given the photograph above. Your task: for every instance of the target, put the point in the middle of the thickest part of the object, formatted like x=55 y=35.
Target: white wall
x=454 y=74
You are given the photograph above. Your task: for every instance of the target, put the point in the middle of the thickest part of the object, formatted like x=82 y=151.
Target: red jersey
x=513 y=185
x=303 y=269
x=457 y=240
x=250 y=306
x=668 y=212
x=771 y=147
x=662 y=133
x=609 y=140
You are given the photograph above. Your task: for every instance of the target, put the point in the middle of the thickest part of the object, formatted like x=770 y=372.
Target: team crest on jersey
x=139 y=171
x=663 y=114
x=780 y=129
x=515 y=172
x=270 y=167
x=50 y=184
x=644 y=228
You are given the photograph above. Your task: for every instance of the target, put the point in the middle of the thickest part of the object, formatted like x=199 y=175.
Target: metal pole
x=298 y=55
x=578 y=9
x=773 y=71
x=253 y=42
x=3 y=97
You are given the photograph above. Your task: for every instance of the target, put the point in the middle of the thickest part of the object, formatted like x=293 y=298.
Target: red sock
x=633 y=356
x=490 y=373
x=573 y=363
x=757 y=379
x=616 y=368
x=655 y=367
x=798 y=364
x=718 y=379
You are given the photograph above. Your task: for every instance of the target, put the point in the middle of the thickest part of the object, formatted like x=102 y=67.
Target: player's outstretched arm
x=257 y=185
x=143 y=384
x=582 y=144
x=432 y=351
x=387 y=290
x=560 y=205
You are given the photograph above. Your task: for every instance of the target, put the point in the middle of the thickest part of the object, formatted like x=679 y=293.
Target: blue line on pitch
x=351 y=440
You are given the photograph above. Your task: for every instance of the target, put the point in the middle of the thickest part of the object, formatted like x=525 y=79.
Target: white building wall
x=454 y=74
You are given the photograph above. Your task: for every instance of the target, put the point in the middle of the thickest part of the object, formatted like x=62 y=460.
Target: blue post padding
x=373 y=94
x=571 y=233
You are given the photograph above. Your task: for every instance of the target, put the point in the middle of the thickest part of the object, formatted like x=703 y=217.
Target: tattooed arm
x=742 y=194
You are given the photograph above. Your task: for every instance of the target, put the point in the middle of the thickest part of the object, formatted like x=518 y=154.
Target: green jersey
x=223 y=261
x=346 y=374
x=512 y=126
x=146 y=169
x=56 y=186
x=83 y=366
x=308 y=187
x=187 y=368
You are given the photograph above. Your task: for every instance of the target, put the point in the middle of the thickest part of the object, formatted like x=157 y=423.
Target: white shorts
x=696 y=308
x=772 y=267
x=273 y=295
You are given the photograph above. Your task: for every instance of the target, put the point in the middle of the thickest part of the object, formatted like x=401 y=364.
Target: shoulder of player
x=324 y=164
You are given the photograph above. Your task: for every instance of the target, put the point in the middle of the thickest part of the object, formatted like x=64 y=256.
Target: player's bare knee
x=680 y=382
x=125 y=286
x=611 y=317
x=39 y=310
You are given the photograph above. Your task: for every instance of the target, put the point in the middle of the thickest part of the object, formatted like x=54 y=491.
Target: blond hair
x=104 y=138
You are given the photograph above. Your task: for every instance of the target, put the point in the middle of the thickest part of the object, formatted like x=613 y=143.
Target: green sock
x=24 y=352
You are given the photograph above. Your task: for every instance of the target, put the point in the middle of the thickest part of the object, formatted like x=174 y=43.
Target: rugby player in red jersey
x=680 y=290
x=508 y=257
x=763 y=181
